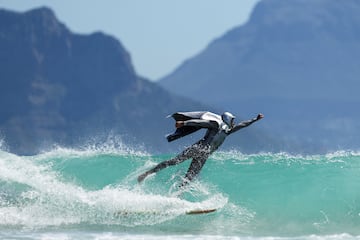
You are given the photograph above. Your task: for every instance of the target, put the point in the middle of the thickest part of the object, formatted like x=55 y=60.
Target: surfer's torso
x=214 y=139
x=215 y=135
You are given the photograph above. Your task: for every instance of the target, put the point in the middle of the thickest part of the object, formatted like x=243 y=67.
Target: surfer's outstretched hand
x=260 y=116
x=179 y=124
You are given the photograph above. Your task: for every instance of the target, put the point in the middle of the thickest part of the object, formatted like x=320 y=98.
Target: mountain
x=64 y=88
x=296 y=61
x=58 y=87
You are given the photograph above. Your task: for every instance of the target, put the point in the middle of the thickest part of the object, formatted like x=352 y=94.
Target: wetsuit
x=215 y=135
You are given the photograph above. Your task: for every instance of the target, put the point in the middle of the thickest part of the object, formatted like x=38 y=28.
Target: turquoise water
x=92 y=193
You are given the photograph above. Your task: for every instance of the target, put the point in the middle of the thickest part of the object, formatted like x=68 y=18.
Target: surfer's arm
x=197 y=123
x=246 y=123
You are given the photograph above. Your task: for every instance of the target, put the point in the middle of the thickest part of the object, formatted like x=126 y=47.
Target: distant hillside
x=65 y=88
x=60 y=87
x=297 y=61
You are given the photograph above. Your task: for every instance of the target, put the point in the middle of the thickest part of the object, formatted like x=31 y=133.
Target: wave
x=38 y=191
x=255 y=194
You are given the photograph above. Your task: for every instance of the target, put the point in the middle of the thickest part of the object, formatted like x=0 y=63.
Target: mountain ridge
x=58 y=87
x=63 y=88
x=295 y=61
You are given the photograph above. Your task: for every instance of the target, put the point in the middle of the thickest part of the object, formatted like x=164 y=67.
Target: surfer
x=218 y=128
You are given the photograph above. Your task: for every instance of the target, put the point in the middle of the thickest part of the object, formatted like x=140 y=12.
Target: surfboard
x=190 y=212
x=200 y=211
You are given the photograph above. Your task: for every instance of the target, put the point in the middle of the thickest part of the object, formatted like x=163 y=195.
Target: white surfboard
x=150 y=212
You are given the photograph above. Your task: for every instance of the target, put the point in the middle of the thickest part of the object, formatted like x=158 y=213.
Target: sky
x=158 y=34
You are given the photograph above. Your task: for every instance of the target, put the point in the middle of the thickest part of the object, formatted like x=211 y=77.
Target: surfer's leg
x=195 y=167
x=186 y=154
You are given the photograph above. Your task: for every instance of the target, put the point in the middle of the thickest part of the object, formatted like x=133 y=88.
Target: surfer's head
x=228 y=118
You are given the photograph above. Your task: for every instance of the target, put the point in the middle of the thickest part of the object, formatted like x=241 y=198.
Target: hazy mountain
x=61 y=87
x=66 y=88
x=297 y=61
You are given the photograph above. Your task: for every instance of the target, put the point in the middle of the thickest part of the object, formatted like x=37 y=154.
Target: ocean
x=92 y=193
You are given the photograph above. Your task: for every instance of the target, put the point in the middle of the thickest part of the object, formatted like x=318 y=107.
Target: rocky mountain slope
x=296 y=61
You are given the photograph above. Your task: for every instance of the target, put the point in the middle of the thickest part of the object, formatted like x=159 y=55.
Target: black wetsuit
x=201 y=150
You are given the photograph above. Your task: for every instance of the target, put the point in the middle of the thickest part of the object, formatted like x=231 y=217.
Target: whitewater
x=91 y=193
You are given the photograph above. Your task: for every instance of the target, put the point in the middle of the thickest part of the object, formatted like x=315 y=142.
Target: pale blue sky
x=159 y=34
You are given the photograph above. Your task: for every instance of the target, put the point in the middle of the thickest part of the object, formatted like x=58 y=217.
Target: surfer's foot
x=185 y=182
x=142 y=177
